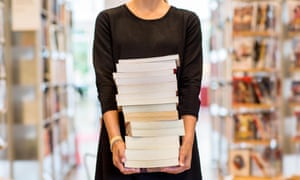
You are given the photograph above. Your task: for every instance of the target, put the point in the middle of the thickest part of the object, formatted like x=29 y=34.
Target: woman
x=147 y=28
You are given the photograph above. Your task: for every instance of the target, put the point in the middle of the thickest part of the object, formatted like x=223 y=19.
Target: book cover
x=242 y=53
x=239 y=162
x=243 y=17
x=293 y=16
x=296 y=53
x=243 y=91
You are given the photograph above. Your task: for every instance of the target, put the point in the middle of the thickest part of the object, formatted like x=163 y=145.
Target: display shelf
x=252 y=107
x=254 y=34
x=41 y=89
x=258 y=178
x=253 y=142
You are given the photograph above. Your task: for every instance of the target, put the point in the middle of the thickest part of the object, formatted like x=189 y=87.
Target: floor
x=87 y=126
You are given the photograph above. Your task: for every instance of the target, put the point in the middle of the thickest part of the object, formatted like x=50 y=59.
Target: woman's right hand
x=118 y=154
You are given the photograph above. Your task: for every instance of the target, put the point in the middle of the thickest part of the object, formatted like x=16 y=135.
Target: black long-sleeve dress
x=119 y=34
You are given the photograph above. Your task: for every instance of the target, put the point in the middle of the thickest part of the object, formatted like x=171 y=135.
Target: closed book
x=144 y=67
x=147 y=100
x=171 y=57
x=150 y=108
x=144 y=88
x=155 y=125
x=152 y=163
x=146 y=74
x=151 y=116
x=162 y=142
x=151 y=154
x=145 y=80
x=129 y=97
x=152 y=131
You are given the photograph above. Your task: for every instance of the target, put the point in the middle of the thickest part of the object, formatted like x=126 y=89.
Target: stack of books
x=147 y=94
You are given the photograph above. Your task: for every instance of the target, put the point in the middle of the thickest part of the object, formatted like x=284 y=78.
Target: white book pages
x=150 y=108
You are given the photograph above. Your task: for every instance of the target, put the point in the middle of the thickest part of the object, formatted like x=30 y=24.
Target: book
x=145 y=79
x=150 y=108
x=147 y=88
x=152 y=116
x=152 y=164
x=163 y=142
x=144 y=67
x=156 y=128
x=242 y=53
x=171 y=57
x=266 y=16
x=146 y=74
x=135 y=96
x=151 y=154
x=293 y=16
x=147 y=100
x=296 y=52
x=239 y=162
x=243 y=17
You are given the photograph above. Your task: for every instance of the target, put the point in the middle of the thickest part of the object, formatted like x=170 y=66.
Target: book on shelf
x=242 y=53
x=239 y=162
x=296 y=53
x=243 y=17
x=295 y=91
x=297 y=117
x=253 y=126
x=266 y=14
x=253 y=90
x=293 y=16
x=267 y=163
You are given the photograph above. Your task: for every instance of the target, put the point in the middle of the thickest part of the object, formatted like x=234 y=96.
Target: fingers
x=185 y=158
x=118 y=151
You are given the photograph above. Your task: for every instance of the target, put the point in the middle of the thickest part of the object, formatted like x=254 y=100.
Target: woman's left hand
x=186 y=148
x=185 y=157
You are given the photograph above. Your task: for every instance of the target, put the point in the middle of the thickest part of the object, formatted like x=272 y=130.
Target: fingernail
x=123 y=160
x=181 y=164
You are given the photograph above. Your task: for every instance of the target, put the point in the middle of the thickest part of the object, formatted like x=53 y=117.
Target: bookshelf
x=5 y=123
x=42 y=93
x=292 y=74
x=251 y=36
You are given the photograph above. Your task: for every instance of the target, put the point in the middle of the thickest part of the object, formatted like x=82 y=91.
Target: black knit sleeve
x=103 y=63
x=191 y=67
